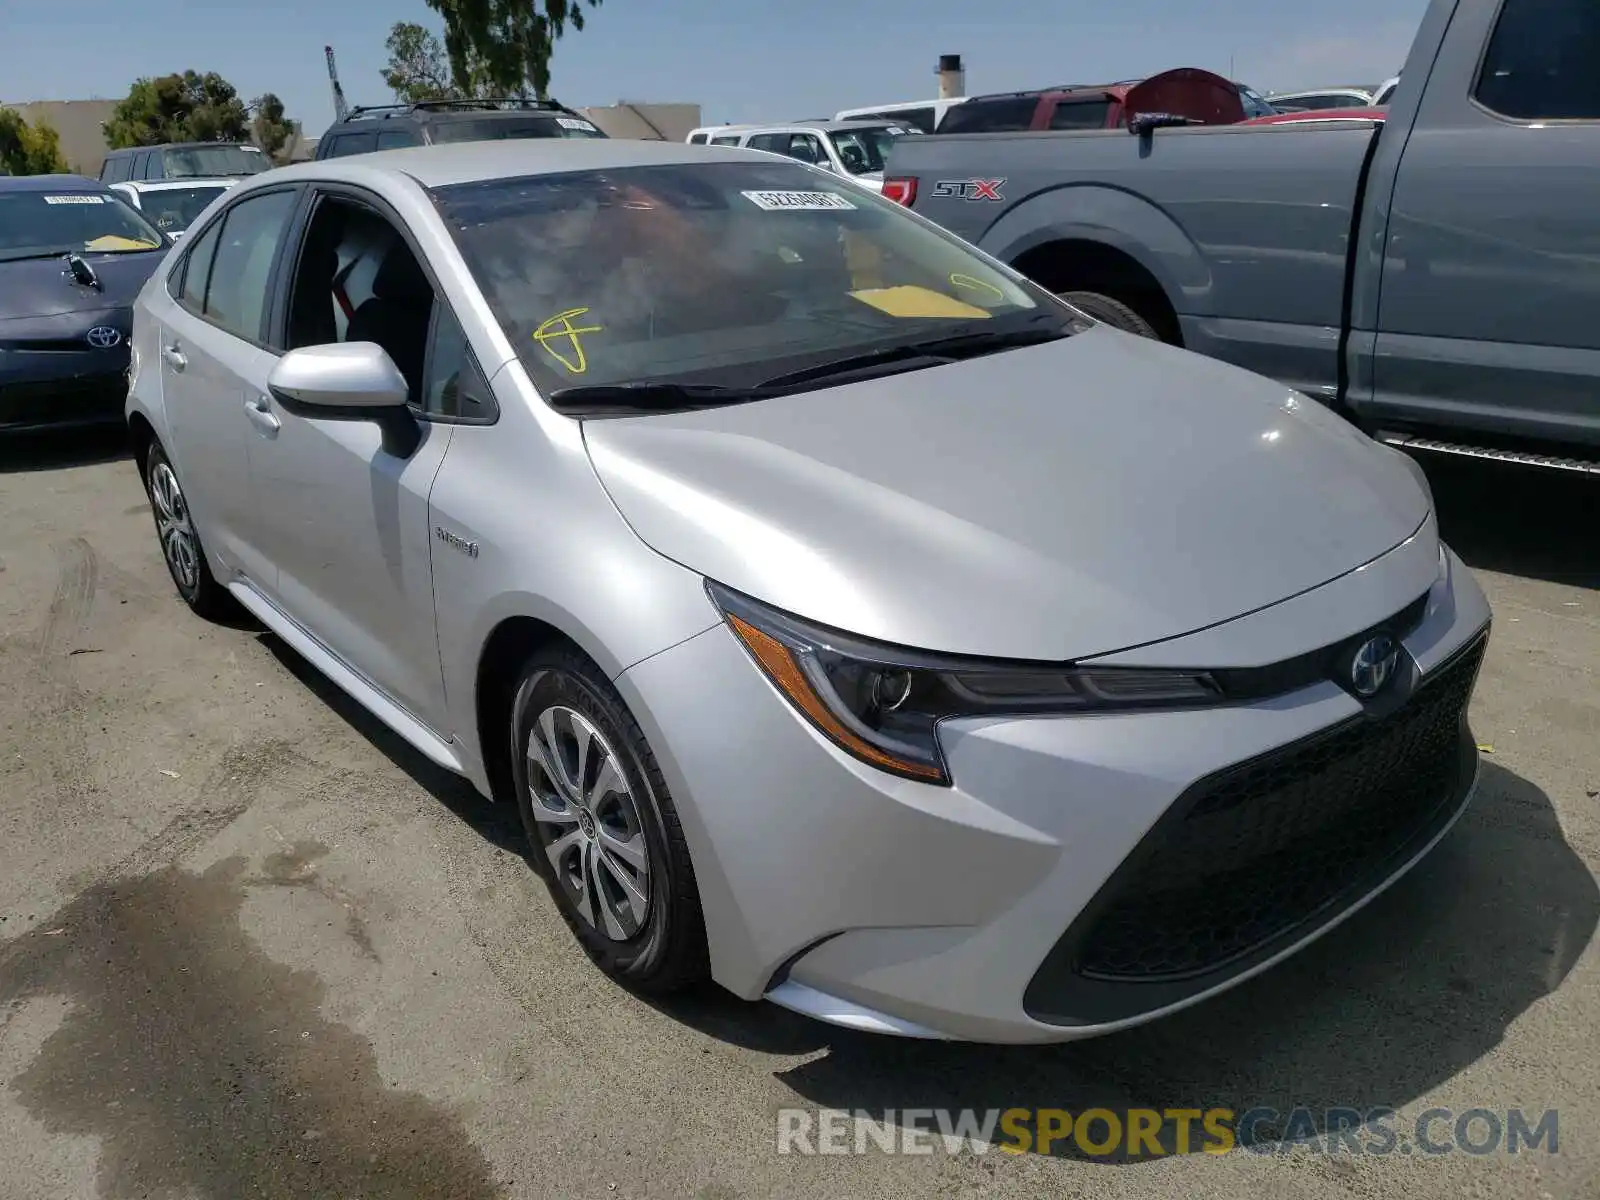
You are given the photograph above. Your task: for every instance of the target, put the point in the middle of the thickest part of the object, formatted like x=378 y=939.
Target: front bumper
x=69 y=384
x=1085 y=873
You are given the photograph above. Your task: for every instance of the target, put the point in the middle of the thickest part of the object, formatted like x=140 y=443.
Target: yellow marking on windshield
x=561 y=326
x=112 y=241
x=908 y=300
x=967 y=282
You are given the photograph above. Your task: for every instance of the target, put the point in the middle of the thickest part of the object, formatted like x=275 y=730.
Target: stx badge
x=970 y=189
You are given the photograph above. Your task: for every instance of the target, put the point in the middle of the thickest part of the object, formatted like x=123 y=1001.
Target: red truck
x=1202 y=97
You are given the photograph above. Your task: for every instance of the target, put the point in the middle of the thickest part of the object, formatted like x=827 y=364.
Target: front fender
x=1112 y=217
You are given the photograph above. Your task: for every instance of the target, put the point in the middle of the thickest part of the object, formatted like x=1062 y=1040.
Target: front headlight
x=883 y=704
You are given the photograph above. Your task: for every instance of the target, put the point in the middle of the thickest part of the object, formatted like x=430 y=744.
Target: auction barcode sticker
x=573 y=123
x=80 y=198
x=798 y=201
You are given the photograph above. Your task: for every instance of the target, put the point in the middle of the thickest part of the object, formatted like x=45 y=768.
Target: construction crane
x=340 y=108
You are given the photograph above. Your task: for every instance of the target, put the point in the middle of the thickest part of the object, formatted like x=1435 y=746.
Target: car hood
x=1050 y=503
x=38 y=287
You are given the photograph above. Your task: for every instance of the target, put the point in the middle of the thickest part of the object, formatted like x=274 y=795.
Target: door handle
x=259 y=411
x=174 y=356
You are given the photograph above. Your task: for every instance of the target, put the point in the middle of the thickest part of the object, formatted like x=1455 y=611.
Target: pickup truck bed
x=1435 y=274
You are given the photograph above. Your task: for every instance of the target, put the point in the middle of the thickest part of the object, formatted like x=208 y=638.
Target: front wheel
x=1110 y=311
x=180 y=540
x=604 y=831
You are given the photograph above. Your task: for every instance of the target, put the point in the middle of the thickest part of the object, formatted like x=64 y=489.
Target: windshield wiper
x=646 y=396
x=930 y=352
x=26 y=255
x=589 y=399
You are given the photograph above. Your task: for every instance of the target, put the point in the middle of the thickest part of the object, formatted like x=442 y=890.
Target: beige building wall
x=644 y=122
x=78 y=122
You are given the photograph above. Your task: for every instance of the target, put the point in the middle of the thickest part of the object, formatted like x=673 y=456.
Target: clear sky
x=756 y=60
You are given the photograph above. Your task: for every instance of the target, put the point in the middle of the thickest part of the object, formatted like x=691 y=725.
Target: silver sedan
x=851 y=621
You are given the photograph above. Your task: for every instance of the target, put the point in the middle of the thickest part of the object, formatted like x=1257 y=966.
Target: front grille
x=1263 y=848
x=68 y=401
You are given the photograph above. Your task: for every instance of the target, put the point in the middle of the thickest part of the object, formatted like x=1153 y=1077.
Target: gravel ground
x=252 y=945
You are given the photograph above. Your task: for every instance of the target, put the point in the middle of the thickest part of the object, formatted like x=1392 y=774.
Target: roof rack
x=487 y=104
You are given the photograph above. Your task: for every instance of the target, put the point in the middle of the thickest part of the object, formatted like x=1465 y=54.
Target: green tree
x=269 y=128
x=29 y=149
x=417 y=68
x=506 y=45
x=190 y=107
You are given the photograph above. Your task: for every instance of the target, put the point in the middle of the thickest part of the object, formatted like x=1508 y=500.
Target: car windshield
x=1255 y=105
x=720 y=274
x=497 y=129
x=194 y=162
x=174 y=209
x=863 y=151
x=38 y=223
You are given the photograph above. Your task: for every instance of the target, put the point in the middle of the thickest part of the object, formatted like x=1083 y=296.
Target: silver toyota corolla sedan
x=851 y=621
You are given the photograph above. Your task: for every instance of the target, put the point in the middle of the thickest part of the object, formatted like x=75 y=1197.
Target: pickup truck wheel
x=1111 y=312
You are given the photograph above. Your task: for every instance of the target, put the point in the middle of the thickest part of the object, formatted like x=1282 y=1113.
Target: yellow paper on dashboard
x=112 y=241
x=908 y=300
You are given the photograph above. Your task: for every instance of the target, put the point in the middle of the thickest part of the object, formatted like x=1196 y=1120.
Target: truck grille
x=64 y=401
x=1259 y=849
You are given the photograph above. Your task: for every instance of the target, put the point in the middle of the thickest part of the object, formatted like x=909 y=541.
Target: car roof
x=816 y=125
x=375 y=115
x=834 y=125
x=1337 y=89
x=474 y=162
x=50 y=183
x=167 y=185
x=177 y=146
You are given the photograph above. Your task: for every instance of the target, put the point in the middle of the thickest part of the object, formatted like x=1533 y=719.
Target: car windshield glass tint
x=719 y=273
x=494 y=129
x=195 y=162
x=863 y=151
x=1254 y=104
x=174 y=209
x=33 y=223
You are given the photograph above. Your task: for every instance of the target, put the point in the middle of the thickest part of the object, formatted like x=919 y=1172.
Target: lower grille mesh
x=1267 y=845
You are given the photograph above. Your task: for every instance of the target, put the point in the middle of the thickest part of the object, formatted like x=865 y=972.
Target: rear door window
x=1003 y=114
x=395 y=139
x=1080 y=114
x=236 y=298
x=196 y=271
x=773 y=143
x=1542 y=62
x=806 y=148
x=353 y=143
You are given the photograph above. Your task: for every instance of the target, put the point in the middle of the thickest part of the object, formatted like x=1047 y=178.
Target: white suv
x=855 y=150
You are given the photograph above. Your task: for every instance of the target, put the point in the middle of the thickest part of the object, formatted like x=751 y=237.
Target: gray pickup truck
x=1435 y=274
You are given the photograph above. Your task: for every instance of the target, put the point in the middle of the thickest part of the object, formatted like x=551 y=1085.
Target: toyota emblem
x=103 y=337
x=1373 y=665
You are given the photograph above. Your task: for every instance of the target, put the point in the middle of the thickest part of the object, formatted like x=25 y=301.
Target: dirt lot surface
x=251 y=945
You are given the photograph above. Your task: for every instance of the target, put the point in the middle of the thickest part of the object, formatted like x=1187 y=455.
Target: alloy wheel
x=588 y=820
x=174 y=527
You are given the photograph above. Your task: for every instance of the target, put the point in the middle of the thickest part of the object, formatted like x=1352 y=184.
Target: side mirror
x=347 y=381
x=1145 y=124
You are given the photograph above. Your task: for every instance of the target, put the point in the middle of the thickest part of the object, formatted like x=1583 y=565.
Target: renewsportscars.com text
x=1151 y=1132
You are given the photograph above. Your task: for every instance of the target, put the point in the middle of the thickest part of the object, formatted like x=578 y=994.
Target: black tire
x=667 y=949
x=1112 y=312
x=190 y=572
